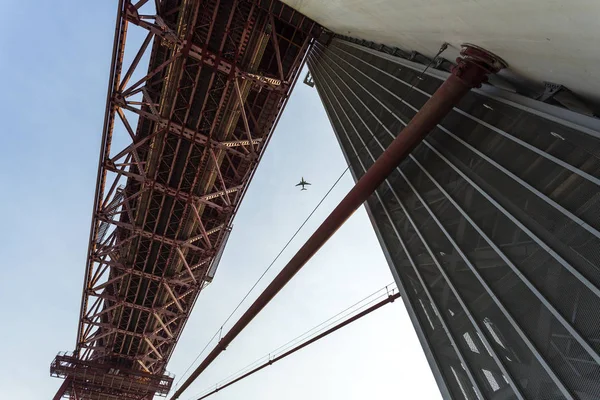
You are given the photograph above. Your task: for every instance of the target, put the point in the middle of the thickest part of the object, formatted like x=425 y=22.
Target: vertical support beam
x=201 y=225
x=185 y=263
x=164 y=326
x=135 y=61
x=252 y=117
x=160 y=357
x=143 y=366
x=218 y=169
x=177 y=303
x=62 y=389
x=243 y=112
x=276 y=45
x=471 y=71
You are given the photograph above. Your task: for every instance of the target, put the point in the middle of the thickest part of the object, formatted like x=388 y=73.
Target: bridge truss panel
x=180 y=144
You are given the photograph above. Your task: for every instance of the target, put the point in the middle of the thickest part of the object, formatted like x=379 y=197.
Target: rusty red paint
x=143 y=331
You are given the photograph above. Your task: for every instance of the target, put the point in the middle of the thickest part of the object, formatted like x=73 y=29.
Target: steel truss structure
x=220 y=73
x=491 y=226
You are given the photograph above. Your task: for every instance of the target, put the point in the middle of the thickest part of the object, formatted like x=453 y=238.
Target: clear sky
x=54 y=60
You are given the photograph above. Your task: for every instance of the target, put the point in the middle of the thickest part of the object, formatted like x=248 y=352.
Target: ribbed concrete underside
x=491 y=228
x=542 y=40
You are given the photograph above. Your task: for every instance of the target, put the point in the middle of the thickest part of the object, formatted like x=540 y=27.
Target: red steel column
x=472 y=70
x=62 y=389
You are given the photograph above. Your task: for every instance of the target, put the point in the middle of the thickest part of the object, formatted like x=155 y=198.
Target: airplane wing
x=306 y=183
x=299 y=184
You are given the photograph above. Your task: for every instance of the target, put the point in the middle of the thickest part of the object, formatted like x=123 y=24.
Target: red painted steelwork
x=472 y=70
x=165 y=202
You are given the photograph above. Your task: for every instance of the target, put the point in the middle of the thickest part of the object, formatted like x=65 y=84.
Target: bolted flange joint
x=475 y=64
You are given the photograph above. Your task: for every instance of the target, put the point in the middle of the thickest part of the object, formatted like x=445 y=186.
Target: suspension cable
x=441 y=50
x=345 y=313
x=264 y=273
x=389 y=298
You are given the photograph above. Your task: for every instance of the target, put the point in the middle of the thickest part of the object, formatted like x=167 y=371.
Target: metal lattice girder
x=87 y=377
x=190 y=131
x=159 y=29
x=174 y=192
x=187 y=133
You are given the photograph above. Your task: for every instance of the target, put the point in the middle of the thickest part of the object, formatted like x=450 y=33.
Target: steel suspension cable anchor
x=472 y=69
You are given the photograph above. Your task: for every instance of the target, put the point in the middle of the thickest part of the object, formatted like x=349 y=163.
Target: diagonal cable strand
x=359 y=150
x=387 y=291
x=323 y=325
x=265 y=271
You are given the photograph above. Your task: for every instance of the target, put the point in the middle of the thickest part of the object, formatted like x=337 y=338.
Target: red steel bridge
x=502 y=192
x=180 y=143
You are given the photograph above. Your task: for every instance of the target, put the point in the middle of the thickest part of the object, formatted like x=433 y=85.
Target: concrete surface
x=542 y=40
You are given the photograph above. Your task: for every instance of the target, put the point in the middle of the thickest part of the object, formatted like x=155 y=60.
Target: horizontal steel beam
x=173 y=192
x=187 y=133
x=205 y=56
x=151 y=235
x=129 y=270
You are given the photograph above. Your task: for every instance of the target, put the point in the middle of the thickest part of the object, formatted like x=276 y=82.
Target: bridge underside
x=219 y=75
x=491 y=226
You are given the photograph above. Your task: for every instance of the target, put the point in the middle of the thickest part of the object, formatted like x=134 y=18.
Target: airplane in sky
x=303 y=183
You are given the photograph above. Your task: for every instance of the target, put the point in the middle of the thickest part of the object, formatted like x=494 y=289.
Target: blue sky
x=54 y=58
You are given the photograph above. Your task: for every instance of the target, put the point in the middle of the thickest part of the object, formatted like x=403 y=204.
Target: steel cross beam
x=120 y=302
x=150 y=235
x=126 y=271
x=472 y=70
x=244 y=116
x=186 y=133
x=203 y=55
x=276 y=46
x=173 y=192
